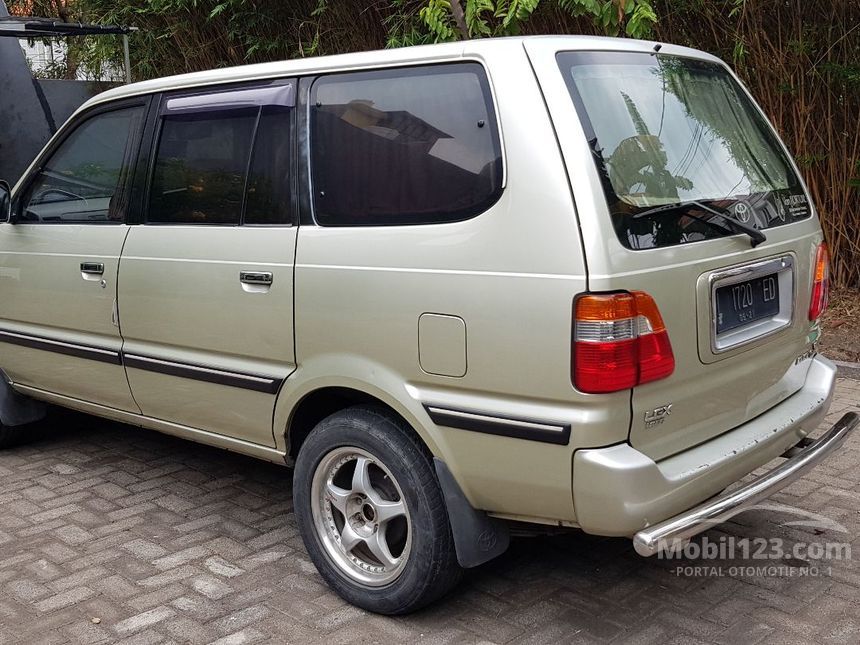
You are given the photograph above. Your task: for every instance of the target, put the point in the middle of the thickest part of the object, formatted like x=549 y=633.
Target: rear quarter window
x=416 y=145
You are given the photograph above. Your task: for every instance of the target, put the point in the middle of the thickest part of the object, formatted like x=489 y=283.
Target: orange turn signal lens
x=820 y=283
x=613 y=306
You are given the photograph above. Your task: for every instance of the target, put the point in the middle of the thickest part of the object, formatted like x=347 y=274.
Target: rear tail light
x=820 y=283
x=619 y=341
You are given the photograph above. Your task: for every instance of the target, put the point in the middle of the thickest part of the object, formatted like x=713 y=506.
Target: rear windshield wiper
x=756 y=236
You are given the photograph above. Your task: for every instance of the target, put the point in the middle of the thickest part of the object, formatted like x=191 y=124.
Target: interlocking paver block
x=141 y=621
x=166 y=541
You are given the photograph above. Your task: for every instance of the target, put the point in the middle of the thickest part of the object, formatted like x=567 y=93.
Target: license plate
x=745 y=302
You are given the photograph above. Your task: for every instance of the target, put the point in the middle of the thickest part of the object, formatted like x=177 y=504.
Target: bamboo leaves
x=446 y=20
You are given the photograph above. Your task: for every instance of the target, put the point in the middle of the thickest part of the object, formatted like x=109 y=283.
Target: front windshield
x=666 y=129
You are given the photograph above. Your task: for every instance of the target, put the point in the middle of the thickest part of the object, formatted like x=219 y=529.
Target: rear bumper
x=620 y=491
x=680 y=528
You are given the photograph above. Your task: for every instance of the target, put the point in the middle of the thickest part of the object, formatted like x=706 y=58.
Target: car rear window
x=415 y=145
x=677 y=142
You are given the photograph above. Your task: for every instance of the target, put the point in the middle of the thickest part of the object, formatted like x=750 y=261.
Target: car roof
x=383 y=57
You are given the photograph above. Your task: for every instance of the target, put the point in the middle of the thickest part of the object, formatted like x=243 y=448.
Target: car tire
x=372 y=514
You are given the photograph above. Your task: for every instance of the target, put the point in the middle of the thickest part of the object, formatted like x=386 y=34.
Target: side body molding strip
x=256 y=382
x=61 y=347
x=267 y=384
x=546 y=432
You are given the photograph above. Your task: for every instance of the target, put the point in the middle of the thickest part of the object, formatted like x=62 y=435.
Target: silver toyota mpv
x=562 y=281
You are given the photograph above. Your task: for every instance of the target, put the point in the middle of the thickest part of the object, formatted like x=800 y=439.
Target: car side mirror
x=5 y=202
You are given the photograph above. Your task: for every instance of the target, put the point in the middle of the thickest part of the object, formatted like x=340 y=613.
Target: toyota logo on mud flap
x=742 y=212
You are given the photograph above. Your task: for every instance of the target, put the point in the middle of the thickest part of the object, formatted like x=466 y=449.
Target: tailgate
x=735 y=312
x=718 y=386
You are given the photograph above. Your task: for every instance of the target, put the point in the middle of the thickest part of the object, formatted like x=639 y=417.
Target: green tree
x=422 y=21
x=185 y=35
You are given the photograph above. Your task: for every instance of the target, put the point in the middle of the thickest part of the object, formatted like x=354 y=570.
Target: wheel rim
x=361 y=516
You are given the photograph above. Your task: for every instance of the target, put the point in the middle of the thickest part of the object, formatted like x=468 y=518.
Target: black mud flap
x=478 y=538
x=17 y=409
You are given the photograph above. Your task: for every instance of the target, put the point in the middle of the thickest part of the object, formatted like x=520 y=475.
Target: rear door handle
x=92 y=268
x=255 y=277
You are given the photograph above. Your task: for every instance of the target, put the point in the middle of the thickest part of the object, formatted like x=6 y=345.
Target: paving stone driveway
x=165 y=541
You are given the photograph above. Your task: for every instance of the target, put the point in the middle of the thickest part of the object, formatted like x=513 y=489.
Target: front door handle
x=92 y=268
x=256 y=277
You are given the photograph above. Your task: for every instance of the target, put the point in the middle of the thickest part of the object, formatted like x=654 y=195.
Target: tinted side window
x=269 y=186
x=405 y=146
x=200 y=167
x=85 y=179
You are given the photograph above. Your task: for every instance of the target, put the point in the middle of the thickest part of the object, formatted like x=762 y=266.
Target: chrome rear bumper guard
x=677 y=530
